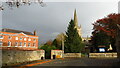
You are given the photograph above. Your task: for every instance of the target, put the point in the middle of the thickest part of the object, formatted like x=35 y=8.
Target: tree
x=100 y=39
x=49 y=42
x=73 y=41
x=58 y=40
x=55 y=43
x=108 y=25
x=47 y=49
x=18 y=3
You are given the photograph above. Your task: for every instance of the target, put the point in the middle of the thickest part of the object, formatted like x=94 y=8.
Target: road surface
x=72 y=62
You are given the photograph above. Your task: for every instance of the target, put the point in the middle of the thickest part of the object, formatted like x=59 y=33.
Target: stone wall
x=102 y=55
x=72 y=55
x=14 y=56
x=57 y=53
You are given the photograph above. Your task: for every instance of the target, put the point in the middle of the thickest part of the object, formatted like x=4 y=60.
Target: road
x=73 y=62
x=70 y=62
x=81 y=62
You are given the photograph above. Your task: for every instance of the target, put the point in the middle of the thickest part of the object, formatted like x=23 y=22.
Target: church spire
x=75 y=18
x=76 y=23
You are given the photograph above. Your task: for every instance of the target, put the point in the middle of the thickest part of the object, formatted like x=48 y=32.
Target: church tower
x=75 y=18
x=76 y=23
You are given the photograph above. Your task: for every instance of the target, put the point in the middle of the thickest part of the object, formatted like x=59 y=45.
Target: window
x=29 y=39
x=16 y=38
x=34 y=44
x=1 y=43
x=20 y=44
x=24 y=44
x=25 y=39
x=16 y=44
x=20 y=38
x=1 y=37
x=9 y=37
x=9 y=44
x=28 y=44
x=34 y=39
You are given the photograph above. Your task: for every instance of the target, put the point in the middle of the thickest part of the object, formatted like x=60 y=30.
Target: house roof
x=16 y=31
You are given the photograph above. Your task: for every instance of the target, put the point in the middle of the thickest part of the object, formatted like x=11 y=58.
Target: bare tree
x=18 y=3
x=60 y=37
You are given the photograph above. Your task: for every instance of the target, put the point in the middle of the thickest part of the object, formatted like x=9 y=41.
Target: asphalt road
x=82 y=62
x=73 y=62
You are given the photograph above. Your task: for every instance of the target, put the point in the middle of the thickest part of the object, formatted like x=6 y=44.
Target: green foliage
x=48 y=49
x=100 y=39
x=58 y=40
x=56 y=44
x=108 y=25
x=73 y=41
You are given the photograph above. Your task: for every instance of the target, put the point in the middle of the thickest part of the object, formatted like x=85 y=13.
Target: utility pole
x=63 y=44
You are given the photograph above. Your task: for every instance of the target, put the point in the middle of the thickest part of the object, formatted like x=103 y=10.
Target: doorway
x=54 y=56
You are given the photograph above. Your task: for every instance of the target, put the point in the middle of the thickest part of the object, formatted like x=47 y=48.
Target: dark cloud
x=54 y=18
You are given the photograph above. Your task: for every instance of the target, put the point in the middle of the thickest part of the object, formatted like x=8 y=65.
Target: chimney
x=35 y=32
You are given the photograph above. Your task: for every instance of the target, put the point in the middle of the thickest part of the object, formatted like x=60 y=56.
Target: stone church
x=76 y=24
x=79 y=28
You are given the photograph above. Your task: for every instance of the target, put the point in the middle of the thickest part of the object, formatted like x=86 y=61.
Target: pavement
x=71 y=62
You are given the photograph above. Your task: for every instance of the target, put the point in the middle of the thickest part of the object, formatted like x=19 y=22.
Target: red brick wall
x=5 y=40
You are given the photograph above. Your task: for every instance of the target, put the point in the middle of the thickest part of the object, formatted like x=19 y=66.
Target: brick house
x=16 y=39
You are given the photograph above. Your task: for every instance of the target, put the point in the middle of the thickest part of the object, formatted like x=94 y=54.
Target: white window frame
x=29 y=39
x=25 y=39
x=20 y=44
x=21 y=38
x=34 y=44
x=1 y=44
x=9 y=37
x=16 y=38
x=29 y=44
x=16 y=44
x=34 y=40
x=9 y=44
x=25 y=44
x=1 y=37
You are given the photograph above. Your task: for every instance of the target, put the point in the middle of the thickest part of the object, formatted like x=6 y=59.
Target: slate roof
x=16 y=31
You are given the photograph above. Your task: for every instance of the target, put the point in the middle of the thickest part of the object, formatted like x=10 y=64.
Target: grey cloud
x=54 y=18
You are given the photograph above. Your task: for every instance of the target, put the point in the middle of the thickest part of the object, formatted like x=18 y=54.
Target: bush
x=47 y=49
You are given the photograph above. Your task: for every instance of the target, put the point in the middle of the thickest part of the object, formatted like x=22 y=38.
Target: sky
x=54 y=17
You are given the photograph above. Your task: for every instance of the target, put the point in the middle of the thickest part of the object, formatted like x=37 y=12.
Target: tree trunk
x=118 y=43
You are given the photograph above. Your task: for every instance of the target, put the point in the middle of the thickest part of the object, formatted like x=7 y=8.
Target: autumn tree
x=58 y=40
x=49 y=42
x=108 y=26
